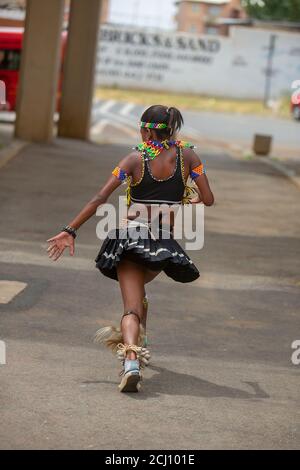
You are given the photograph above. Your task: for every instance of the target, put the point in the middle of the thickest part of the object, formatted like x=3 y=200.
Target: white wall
x=211 y=65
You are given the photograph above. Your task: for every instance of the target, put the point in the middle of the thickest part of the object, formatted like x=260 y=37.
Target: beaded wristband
x=72 y=231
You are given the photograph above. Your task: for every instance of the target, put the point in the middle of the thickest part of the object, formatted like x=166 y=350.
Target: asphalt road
x=221 y=375
x=214 y=128
x=236 y=130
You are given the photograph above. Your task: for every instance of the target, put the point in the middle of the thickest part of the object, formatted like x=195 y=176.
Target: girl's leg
x=131 y=278
x=149 y=276
x=145 y=310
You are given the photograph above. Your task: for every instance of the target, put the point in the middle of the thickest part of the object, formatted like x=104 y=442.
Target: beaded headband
x=153 y=125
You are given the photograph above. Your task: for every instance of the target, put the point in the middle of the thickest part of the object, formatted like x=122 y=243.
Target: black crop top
x=150 y=190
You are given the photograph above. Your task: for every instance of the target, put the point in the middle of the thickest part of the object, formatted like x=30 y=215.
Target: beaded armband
x=199 y=170
x=120 y=174
x=70 y=230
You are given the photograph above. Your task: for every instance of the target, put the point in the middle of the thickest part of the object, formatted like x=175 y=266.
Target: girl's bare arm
x=202 y=184
x=62 y=240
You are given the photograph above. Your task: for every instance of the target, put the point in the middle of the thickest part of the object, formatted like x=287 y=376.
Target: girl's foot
x=131 y=376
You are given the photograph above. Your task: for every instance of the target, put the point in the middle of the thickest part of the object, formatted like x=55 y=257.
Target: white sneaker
x=131 y=376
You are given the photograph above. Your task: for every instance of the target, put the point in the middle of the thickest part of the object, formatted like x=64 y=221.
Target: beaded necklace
x=152 y=148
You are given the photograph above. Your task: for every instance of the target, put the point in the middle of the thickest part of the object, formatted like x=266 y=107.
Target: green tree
x=278 y=10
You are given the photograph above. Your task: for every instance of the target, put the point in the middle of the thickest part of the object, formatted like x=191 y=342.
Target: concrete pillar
x=41 y=55
x=79 y=69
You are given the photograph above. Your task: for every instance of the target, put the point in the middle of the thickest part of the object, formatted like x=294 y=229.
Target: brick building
x=200 y=16
x=104 y=12
x=12 y=13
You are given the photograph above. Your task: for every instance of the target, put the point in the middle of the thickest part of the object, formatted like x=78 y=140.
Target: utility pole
x=269 y=69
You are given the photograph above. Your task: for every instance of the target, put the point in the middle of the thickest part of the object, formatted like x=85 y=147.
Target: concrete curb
x=277 y=165
x=11 y=150
x=281 y=168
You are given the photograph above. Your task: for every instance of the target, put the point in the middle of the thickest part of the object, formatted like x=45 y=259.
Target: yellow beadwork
x=142 y=174
x=189 y=191
x=128 y=193
x=130 y=184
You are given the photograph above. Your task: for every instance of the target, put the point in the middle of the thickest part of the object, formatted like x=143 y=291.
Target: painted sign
x=234 y=66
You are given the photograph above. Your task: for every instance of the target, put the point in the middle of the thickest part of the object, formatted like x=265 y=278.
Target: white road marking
x=2 y=353
x=99 y=127
x=113 y=116
x=66 y=262
x=127 y=121
x=41 y=246
x=9 y=289
x=106 y=106
x=127 y=109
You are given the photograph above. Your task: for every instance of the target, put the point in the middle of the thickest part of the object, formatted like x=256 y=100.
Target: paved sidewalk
x=221 y=374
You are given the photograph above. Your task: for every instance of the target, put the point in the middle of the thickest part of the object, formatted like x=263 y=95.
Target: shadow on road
x=167 y=382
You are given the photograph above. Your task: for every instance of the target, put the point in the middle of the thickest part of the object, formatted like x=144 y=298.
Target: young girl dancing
x=156 y=172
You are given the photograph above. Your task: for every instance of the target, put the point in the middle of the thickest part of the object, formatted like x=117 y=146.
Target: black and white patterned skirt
x=136 y=242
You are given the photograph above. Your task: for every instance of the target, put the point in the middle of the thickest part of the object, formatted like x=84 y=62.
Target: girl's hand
x=58 y=245
x=198 y=198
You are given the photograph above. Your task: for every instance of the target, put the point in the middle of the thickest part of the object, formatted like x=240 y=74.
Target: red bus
x=11 y=40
